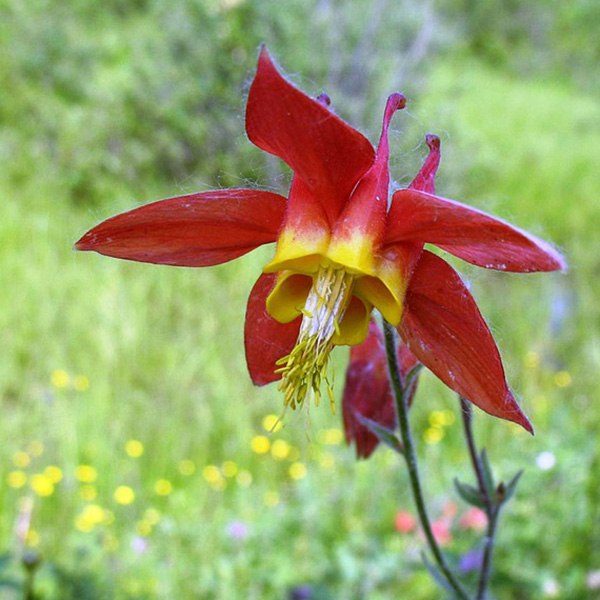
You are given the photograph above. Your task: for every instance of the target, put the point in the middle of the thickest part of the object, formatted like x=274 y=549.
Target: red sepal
x=446 y=332
x=197 y=230
x=325 y=152
x=468 y=233
x=425 y=179
x=265 y=339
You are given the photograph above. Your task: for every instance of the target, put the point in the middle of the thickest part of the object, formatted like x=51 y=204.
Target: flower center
x=304 y=368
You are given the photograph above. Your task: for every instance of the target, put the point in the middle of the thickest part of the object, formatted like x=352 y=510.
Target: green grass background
x=96 y=117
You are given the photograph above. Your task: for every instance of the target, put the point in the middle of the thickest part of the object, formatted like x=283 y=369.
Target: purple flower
x=471 y=561
x=237 y=530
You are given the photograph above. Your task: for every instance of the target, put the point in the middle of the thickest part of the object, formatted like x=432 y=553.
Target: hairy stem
x=411 y=461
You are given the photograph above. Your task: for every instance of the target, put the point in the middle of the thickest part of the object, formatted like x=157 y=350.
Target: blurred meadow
x=137 y=459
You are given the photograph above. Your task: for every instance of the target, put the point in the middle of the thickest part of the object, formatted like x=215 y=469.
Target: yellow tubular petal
x=299 y=251
x=385 y=293
x=355 y=253
x=355 y=324
x=287 y=299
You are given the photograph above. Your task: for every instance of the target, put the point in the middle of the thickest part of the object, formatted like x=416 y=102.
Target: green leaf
x=384 y=435
x=470 y=494
x=411 y=376
x=436 y=574
x=506 y=492
x=488 y=476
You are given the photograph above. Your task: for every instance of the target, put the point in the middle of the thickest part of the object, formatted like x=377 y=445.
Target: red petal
x=265 y=339
x=367 y=391
x=446 y=332
x=328 y=154
x=468 y=233
x=366 y=211
x=197 y=230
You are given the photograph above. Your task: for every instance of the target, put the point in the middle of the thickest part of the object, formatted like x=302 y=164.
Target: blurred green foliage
x=109 y=104
x=119 y=91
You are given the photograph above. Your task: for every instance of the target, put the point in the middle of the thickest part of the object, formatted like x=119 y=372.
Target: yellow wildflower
x=124 y=495
x=60 y=379
x=16 y=479
x=297 y=470
x=163 y=487
x=260 y=444
x=86 y=473
x=134 y=448
x=41 y=485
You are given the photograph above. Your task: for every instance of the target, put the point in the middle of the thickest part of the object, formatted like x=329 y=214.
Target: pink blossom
x=404 y=522
x=474 y=519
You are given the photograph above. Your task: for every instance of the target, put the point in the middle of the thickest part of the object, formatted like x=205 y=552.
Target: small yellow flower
x=448 y=417
x=81 y=383
x=294 y=454
x=327 y=461
x=53 y=473
x=441 y=418
x=16 y=479
x=331 y=437
x=83 y=525
x=60 y=379
x=33 y=538
x=244 y=478
x=532 y=360
x=144 y=528
x=152 y=516
x=297 y=470
x=21 y=459
x=563 y=379
x=433 y=435
x=88 y=492
x=271 y=499
x=36 y=448
x=272 y=423
x=124 y=495
x=187 y=467
x=260 y=444
x=280 y=450
x=134 y=448
x=230 y=469
x=89 y=517
x=163 y=487
x=41 y=485
x=436 y=418
x=211 y=473
x=86 y=473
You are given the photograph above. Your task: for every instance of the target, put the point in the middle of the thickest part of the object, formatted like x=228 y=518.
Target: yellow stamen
x=306 y=366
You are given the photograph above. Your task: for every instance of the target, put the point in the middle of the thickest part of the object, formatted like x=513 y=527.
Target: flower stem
x=492 y=507
x=467 y=417
x=411 y=460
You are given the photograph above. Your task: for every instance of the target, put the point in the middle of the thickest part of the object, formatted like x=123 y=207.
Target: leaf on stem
x=488 y=476
x=384 y=435
x=469 y=493
x=436 y=574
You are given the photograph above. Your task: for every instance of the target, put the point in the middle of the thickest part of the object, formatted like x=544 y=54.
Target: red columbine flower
x=342 y=250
